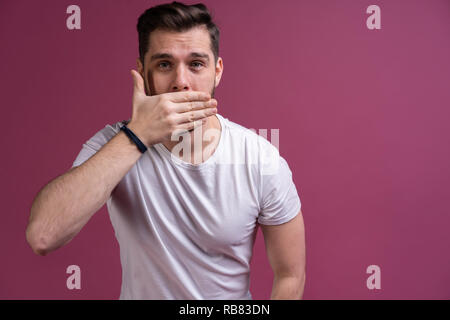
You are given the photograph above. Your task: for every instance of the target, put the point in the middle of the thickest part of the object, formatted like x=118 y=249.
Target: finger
x=138 y=83
x=185 y=127
x=186 y=96
x=192 y=116
x=194 y=105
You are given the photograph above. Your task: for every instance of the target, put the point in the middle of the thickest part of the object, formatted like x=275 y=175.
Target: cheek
x=206 y=79
x=158 y=82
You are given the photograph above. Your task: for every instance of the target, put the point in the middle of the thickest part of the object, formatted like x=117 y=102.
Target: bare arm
x=285 y=247
x=65 y=205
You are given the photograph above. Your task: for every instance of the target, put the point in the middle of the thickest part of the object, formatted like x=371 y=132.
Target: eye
x=197 y=64
x=163 y=64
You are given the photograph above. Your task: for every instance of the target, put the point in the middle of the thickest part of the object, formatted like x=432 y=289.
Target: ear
x=219 y=70
x=140 y=67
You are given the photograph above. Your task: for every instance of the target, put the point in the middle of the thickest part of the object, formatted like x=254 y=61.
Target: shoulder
x=239 y=133
x=105 y=134
x=110 y=130
x=254 y=147
x=96 y=142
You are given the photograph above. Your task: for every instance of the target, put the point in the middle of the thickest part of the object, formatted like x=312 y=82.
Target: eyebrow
x=157 y=56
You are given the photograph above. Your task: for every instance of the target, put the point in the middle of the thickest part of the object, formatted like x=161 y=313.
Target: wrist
x=136 y=129
x=134 y=138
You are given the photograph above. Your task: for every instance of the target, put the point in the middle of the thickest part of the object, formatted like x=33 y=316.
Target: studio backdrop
x=358 y=91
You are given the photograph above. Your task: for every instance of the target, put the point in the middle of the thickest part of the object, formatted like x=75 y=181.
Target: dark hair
x=178 y=17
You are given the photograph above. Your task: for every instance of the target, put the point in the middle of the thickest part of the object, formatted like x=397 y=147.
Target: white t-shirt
x=187 y=231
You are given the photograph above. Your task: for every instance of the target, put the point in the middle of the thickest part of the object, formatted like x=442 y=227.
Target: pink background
x=363 y=118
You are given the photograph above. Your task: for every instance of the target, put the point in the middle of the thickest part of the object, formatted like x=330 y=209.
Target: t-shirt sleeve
x=279 y=201
x=96 y=142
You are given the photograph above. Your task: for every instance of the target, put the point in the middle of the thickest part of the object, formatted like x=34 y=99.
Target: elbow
x=37 y=242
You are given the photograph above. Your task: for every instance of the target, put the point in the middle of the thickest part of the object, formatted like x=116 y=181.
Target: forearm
x=64 y=206
x=288 y=288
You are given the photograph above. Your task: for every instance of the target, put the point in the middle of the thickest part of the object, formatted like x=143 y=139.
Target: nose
x=181 y=81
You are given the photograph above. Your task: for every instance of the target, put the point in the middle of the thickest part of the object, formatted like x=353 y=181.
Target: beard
x=213 y=89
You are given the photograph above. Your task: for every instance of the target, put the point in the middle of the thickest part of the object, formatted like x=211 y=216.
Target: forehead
x=195 y=39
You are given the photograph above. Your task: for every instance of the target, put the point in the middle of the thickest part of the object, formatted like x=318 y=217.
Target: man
x=186 y=228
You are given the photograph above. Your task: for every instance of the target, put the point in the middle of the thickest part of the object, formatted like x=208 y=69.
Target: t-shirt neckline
x=177 y=161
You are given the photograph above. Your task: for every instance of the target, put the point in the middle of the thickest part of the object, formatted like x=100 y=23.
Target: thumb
x=138 y=82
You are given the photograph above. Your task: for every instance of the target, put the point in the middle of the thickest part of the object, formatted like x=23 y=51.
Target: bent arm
x=65 y=205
